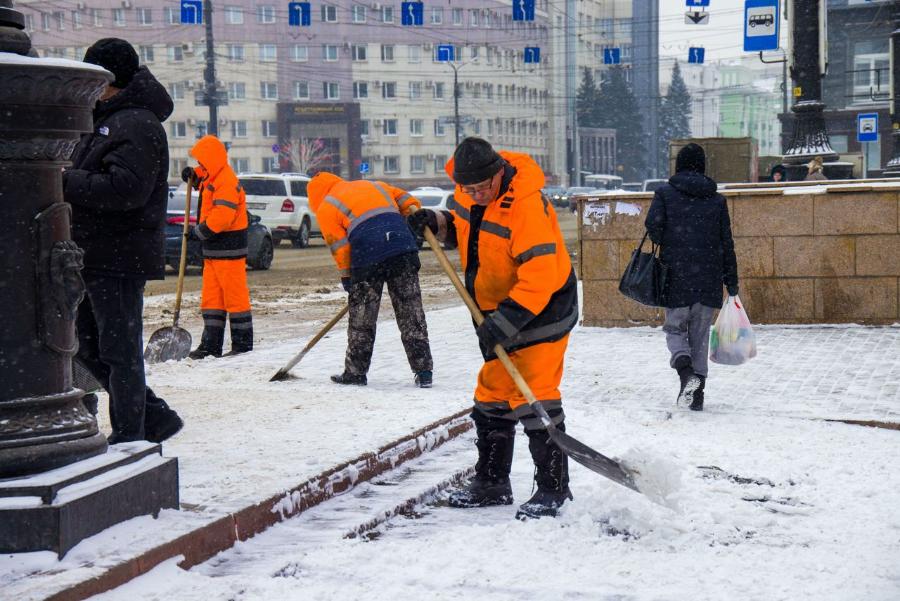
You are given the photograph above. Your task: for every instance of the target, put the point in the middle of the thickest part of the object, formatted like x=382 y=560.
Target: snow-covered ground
x=817 y=518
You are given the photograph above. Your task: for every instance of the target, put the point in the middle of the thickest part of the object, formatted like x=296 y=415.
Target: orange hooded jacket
x=222 y=221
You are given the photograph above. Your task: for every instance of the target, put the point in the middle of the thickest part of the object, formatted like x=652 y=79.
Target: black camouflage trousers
x=402 y=279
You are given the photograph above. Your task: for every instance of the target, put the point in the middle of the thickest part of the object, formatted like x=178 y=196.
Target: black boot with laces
x=490 y=484
x=551 y=476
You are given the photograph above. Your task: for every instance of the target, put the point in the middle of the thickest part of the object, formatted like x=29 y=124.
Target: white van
x=281 y=201
x=603 y=182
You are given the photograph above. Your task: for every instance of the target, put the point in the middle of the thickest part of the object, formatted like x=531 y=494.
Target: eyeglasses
x=478 y=188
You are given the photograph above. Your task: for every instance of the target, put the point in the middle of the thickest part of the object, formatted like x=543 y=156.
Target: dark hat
x=475 y=161
x=116 y=56
x=691 y=158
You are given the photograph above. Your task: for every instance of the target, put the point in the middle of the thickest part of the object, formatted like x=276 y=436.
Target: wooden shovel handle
x=182 y=263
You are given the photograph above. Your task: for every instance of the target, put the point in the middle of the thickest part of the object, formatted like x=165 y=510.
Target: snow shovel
x=284 y=372
x=173 y=342
x=578 y=451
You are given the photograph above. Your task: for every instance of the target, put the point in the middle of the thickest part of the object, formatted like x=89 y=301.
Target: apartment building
x=356 y=88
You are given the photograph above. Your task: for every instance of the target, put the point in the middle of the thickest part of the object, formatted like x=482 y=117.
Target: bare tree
x=307 y=155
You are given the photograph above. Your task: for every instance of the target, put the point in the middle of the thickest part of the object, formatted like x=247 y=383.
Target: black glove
x=489 y=333
x=418 y=220
x=189 y=176
x=345 y=282
x=732 y=290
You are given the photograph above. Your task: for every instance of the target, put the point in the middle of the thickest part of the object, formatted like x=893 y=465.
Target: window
x=360 y=89
x=358 y=13
x=332 y=90
x=439 y=129
x=389 y=89
x=387 y=53
x=457 y=16
x=437 y=16
x=329 y=13
x=392 y=164
x=29 y=23
x=59 y=18
x=389 y=127
x=265 y=14
x=237 y=90
x=119 y=17
x=364 y=127
x=238 y=129
x=415 y=89
x=268 y=90
x=298 y=188
x=439 y=162
x=145 y=16
x=270 y=165
x=474 y=52
x=179 y=129
x=301 y=90
x=871 y=70
x=415 y=127
x=387 y=14
x=96 y=17
x=473 y=18
x=176 y=90
x=76 y=19
x=235 y=52
x=146 y=53
x=267 y=53
x=234 y=15
x=438 y=90
x=175 y=53
x=360 y=52
x=270 y=129
x=329 y=52
x=240 y=165
x=415 y=54
x=417 y=163
x=299 y=53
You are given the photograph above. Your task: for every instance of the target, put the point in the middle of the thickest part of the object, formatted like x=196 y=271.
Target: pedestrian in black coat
x=690 y=221
x=118 y=190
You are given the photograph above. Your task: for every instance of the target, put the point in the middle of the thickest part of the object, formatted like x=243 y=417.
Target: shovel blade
x=168 y=344
x=593 y=460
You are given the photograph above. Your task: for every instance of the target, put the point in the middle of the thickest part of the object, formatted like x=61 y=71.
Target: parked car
x=556 y=195
x=574 y=191
x=282 y=204
x=651 y=185
x=632 y=186
x=603 y=182
x=433 y=198
x=260 y=243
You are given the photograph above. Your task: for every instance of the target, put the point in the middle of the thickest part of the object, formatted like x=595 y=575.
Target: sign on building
x=760 y=25
x=192 y=12
x=299 y=14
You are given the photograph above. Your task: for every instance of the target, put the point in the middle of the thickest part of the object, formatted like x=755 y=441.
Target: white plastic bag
x=731 y=340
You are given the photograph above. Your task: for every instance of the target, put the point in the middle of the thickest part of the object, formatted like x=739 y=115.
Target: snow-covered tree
x=674 y=117
x=617 y=108
x=587 y=101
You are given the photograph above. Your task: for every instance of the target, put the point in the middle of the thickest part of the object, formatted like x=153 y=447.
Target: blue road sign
x=760 y=25
x=445 y=53
x=867 y=127
x=612 y=56
x=697 y=2
x=523 y=10
x=299 y=14
x=363 y=168
x=696 y=55
x=192 y=12
x=412 y=13
x=276 y=148
x=532 y=54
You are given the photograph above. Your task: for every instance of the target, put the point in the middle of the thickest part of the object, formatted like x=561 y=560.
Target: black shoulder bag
x=645 y=276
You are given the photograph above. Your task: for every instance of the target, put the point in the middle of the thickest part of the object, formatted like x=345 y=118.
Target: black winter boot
x=697 y=403
x=160 y=421
x=241 y=337
x=348 y=378
x=210 y=343
x=490 y=484
x=690 y=382
x=423 y=379
x=551 y=475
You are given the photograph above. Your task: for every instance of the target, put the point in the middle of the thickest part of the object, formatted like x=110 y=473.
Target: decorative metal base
x=810 y=137
x=55 y=510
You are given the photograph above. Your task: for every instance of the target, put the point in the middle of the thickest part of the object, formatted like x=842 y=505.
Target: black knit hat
x=116 y=56
x=691 y=158
x=475 y=161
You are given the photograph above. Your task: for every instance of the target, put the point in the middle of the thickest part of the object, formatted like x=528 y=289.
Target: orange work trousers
x=542 y=367
x=225 y=286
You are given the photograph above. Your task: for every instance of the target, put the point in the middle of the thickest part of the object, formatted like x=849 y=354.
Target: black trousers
x=110 y=339
x=401 y=274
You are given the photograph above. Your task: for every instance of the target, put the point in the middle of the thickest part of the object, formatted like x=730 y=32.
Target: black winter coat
x=690 y=221
x=118 y=186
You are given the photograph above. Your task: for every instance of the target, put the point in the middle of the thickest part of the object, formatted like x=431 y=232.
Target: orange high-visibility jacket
x=343 y=206
x=222 y=221
x=522 y=270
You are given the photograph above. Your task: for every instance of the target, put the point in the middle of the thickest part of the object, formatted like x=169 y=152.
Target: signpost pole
x=209 y=74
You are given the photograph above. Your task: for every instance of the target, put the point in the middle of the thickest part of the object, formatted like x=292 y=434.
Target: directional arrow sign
x=412 y=13
x=697 y=2
x=363 y=168
x=523 y=10
x=445 y=53
x=299 y=14
x=696 y=55
x=532 y=54
x=696 y=18
x=192 y=12
x=760 y=25
x=612 y=56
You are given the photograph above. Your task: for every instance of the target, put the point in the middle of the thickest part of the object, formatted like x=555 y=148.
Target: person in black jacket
x=118 y=190
x=689 y=220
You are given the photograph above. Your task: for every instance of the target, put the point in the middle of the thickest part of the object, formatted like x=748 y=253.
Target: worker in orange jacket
x=518 y=271
x=222 y=227
x=363 y=224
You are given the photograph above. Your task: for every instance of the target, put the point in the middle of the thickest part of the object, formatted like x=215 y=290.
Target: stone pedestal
x=55 y=510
